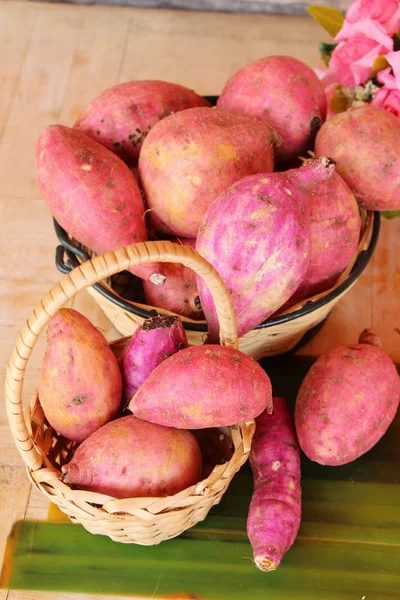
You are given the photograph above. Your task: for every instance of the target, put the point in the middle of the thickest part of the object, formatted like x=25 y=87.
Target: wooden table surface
x=54 y=59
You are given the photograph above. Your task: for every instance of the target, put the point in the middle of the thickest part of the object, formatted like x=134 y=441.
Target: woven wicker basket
x=143 y=521
x=275 y=336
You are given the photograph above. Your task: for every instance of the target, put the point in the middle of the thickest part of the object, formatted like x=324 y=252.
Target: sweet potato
x=179 y=294
x=158 y=338
x=130 y=458
x=190 y=157
x=335 y=233
x=80 y=384
x=203 y=386
x=346 y=402
x=275 y=508
x=365 y=143
x=91 y=193
x=257 y=236
x=285 y=92
x=121 y=116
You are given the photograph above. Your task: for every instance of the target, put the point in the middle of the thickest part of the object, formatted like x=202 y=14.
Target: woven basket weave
x=143 y=521
x=277 y=335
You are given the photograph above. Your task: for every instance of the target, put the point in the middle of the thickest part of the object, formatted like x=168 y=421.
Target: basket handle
x=85 y=275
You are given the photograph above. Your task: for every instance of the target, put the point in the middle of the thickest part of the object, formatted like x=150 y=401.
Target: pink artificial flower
x=388 y=96
x=385 y=12
x=389 y=99
x=359 y=44
x=389 y=79
x=325 y=75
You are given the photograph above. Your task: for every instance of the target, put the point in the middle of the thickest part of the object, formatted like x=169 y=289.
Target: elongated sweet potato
x=275 y=508
x=80 y=384
x=158 y=338
x=121 y=116
x=91 y=193
x=130 y=458
x=257 y=236
x=346 y=402
x=203 y=386
x=189 y=158
x=335 y=233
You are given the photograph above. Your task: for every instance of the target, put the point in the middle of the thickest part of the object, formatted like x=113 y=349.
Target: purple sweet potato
x=121 y=116
x=179 y=294
x=257 y=236
x=92 y=194
x=365 y=143
x=335 y=233
x=275 y=508
x=190 y=157
x=283 y=91
x=346 y=402
x=130 y=458
x=203 y=386
x=158 y=338
x=80 y=384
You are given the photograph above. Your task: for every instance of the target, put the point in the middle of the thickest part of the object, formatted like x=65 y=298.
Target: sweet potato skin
x=80 y=384
x=257 y=236
x=155 y=340
x=365 y=143
x=335 y=232
x=195 y=155
x=284 y=91
x=121 y=116
x=275 y=508
x=90 y=192
x=130 y=458
x=346 y=403
x=179 y=294
x=203 y=386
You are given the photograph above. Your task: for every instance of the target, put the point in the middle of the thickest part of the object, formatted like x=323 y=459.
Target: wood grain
x=58 y=56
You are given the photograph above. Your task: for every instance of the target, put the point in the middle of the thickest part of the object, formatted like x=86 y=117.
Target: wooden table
x=55 y=59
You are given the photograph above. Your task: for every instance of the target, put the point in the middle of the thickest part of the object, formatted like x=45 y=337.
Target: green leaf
x=326 y=51
x=391 y=214
x=330 y=19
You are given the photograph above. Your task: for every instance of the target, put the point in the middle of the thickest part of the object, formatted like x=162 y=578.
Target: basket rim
x=73 y=251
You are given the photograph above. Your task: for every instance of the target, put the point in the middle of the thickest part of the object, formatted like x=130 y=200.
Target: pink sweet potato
x=346 y=402
x=335 y=233
x=179 y=294
x=275 y=508
x=365 y=143
x=190 y=157
x=91 y=193
x=203 y=386
x=257 y=236
x=121 y=116
x=80 y=384
x=158 y=338
x=130 y=458
x=285 y=92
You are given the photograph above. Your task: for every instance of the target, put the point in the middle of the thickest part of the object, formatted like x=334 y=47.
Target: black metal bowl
x=67 y=254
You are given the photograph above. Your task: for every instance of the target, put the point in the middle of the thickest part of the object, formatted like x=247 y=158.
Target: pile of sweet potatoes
x=153 y=160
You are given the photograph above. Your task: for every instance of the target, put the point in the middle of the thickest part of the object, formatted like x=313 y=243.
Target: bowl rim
x=73 y=250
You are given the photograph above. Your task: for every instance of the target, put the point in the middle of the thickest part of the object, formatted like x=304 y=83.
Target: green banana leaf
x=348 y=546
